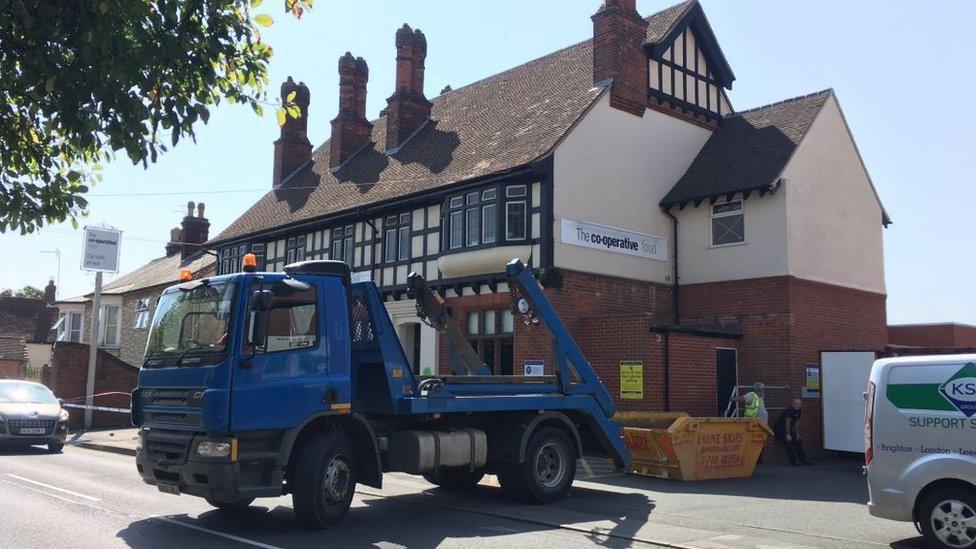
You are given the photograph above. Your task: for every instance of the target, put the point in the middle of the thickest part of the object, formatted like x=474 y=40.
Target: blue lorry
x=261 y=384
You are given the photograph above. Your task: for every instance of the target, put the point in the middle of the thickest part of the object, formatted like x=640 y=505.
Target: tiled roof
x=660 y=24
x=500 y=123
x=12 y=348
x=749 y=149
x=27 y=319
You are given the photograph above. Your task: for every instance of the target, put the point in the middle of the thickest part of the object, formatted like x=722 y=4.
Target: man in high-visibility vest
x=755 y=403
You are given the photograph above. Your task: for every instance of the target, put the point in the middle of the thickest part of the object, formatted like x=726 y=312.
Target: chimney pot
x=50 y=292
x=196 y=231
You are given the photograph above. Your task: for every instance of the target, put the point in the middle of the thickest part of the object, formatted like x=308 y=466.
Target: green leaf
x=103 y=7
x=256 y=3
x=49 y=85
x=291 y=96
x=264 y=20
x=282 y=117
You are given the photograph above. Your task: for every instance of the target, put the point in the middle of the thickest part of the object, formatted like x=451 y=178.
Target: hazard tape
x=97 y=408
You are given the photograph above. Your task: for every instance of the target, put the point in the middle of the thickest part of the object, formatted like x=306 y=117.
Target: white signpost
x=100 y=254
x=611 y=239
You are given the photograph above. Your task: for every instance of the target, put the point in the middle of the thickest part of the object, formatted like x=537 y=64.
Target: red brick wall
x=581 y=296
x=11 y=369
x=933 y=335
x=69 y=373
x=786 y=322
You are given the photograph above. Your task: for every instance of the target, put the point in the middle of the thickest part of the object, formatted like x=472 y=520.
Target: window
x=230 y=257
x=294 y=250
x=343 y=244
x=728 y=224
x=491 y=335
x=515 y=220
x=141 y=319
x=110 y=326
x=69 y=327
x=292 y=320
x=396 y=238
x=473 y=217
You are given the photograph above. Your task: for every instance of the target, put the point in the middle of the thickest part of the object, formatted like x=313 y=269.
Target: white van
x=920 y=436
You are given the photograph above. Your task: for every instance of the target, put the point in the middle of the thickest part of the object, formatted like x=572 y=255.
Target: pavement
x=94 y=498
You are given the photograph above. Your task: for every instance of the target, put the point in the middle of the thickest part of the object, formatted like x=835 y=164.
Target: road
x=85 y=498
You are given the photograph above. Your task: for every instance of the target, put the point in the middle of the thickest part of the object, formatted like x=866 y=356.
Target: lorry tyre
x=231 y=505
x=948 y=518
x=455 y=478
x=323 y=480
x=547 y=473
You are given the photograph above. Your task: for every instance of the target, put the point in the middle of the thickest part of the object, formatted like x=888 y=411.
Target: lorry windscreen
x=190 y=323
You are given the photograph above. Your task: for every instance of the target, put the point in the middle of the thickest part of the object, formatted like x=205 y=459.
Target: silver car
x=29 y=415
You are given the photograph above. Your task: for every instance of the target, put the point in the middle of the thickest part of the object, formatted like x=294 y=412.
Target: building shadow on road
x=23 y=451
x=833 y=482
x=417 y=520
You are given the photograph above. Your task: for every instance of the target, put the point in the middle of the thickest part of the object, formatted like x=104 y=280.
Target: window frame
x=104 y=330
x=140 y=321
x=317 y=323
x=492 y=204
x=343 y=236
x=741 y=212
x=397 y=238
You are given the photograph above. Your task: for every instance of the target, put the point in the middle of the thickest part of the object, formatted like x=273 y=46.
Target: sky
x=903 y=76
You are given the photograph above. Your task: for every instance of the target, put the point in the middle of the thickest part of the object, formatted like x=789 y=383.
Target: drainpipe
x=667 y=371
x=676 y=307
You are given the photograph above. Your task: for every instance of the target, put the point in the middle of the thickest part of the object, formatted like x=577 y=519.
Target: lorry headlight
x=212 y=448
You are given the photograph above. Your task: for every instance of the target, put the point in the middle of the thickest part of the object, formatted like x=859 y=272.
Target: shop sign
x=610 y=239
x=631 y=379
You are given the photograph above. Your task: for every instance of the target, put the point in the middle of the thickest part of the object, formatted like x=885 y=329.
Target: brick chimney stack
x=50 y=292
x=350 y=129
x=293 y=149
x=196 y=230
x=619 y=33
x=407 y=109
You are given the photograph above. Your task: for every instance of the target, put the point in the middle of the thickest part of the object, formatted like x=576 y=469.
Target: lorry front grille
x=172 y=397
x=167 y=447
x=17 y=426
x=173 y=417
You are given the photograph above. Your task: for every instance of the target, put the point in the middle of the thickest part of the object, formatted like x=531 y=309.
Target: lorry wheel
x=948 y=518
x=324 y=480
x=455 y=478
x=549 y=467
x=231 y=505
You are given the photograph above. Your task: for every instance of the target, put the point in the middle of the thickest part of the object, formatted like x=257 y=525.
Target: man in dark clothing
x=786 y=432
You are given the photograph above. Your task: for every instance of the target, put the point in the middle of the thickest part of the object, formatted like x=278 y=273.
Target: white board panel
x=843 y=379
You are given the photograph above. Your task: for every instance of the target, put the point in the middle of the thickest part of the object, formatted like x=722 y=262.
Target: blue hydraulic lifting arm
x=576 y=375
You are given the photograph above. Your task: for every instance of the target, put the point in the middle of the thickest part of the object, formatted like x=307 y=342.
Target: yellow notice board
x=631 y=379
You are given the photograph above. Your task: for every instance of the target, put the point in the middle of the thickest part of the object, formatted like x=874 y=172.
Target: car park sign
x=101 y=250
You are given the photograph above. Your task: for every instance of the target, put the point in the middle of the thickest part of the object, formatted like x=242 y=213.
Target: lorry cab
x=262 y=384
x=920 y=430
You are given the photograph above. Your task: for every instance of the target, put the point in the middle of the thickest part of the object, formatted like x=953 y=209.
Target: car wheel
x=231 y=505
x=324 y=480
x=455 y=478
x=948 y=518
x=55 y=447
x=547 y=473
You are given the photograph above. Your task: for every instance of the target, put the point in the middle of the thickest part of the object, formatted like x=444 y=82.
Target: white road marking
x=216 y=533
x=55 y=496
x=49 y=487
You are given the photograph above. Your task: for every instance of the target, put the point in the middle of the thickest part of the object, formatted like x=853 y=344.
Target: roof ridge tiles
x=782 y=102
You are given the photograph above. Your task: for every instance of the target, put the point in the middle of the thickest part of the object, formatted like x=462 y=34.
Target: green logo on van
x=958 y=393
x=960 y=390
